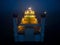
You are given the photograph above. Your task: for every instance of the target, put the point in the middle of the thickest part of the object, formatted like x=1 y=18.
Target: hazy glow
x=29 y=11
x=45 y=12
x=29 y=16
x=29 y=8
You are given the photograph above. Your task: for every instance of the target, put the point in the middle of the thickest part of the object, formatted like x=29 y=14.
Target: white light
x=45 y=12
x=29 y=8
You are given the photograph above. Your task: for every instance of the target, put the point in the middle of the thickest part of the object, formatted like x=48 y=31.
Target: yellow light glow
x=29 y=11
x=26 y=12
x=20 y=28
x=24 y=21
x=29 y=18
x=32 y=12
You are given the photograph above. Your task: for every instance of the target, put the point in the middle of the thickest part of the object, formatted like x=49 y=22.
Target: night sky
x=8 y=7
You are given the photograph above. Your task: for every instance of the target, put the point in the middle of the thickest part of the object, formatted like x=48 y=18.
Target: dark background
x=8 y=7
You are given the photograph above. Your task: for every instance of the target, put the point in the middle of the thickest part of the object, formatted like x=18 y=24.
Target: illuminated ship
x=29 y=29
x=29 y=18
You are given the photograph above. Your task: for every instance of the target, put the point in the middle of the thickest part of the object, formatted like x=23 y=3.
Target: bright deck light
x=45 y=12
x=29 y=8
